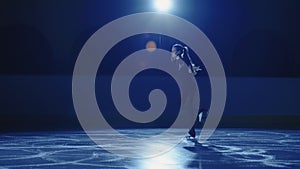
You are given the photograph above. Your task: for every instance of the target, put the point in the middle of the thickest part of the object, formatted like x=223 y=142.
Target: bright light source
x=163 y=5
x=151 y=46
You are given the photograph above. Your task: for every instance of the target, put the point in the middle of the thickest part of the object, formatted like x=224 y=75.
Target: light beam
x=163 y=5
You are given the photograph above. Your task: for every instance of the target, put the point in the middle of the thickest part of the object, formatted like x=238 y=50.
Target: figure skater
x=180 y=55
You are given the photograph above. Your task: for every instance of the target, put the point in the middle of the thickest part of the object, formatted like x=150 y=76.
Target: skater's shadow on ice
x=204 y=156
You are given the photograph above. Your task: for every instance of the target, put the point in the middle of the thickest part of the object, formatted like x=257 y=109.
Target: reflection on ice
x=170 y=160
x=228 y=148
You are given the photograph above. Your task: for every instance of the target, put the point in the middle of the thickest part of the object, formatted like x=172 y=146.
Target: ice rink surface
x=227 y=148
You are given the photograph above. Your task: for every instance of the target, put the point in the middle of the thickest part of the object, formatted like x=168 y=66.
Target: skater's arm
x=193 y=68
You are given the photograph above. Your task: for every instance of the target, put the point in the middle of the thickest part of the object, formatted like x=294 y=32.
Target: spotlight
x=163 y=5
x=151 y=46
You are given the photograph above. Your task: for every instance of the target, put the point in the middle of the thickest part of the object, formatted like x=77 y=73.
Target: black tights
x=192 y=131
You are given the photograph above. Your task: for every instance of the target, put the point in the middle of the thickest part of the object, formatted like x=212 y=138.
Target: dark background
x=257 y=41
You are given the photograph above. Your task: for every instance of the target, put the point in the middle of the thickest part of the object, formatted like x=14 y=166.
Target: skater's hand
x=195 y=69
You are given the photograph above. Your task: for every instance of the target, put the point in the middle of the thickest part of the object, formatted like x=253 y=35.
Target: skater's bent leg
x=192 y=132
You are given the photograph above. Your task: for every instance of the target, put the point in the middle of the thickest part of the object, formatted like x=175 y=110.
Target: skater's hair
x=181 y=50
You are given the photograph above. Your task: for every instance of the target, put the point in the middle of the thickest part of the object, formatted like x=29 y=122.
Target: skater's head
x=178 y=51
